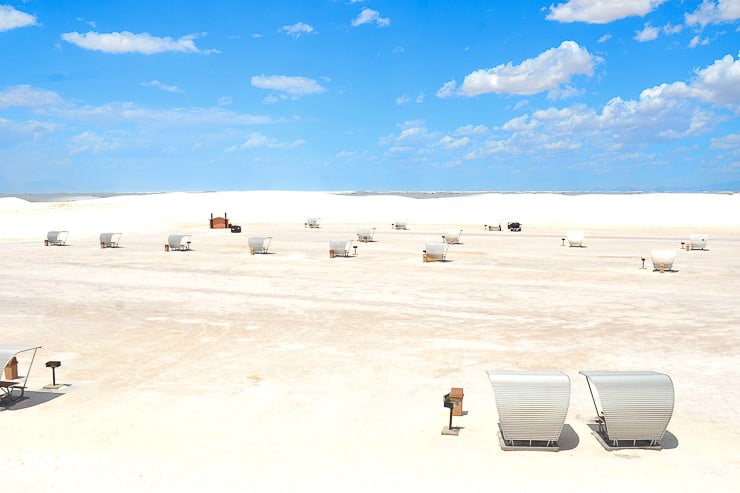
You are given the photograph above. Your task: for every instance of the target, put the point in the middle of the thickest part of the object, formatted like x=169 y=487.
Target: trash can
x=11 y=369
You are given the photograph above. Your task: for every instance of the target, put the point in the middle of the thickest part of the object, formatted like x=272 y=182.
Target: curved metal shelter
x=179 y=242
x=400 y=224
x=313 y=222
x=340 y=247
x=698 y=241
x=575 y=238
x=532 y=406
x=452 y=236
x=436 y=251
x=365 y=234
x=110 y=240
x=259 y=244
x=58 y=238
x=664 y=258
x=7 y=353
x=634 y=406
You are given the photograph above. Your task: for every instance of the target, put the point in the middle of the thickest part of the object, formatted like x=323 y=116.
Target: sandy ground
x=218 y=370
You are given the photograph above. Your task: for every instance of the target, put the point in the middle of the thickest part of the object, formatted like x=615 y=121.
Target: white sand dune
x=157 y=212
x=292 y=371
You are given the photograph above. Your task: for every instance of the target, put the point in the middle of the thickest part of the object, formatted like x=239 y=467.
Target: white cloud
x=49 y=103
x=91 y=142
x=661 y=114
x=698 y=41
x=726 y=143
x=710 y=12
x=297 y=29
x=412 y=132
x=294 y=87
x=447 y=90
x=600 y=11
x=164 y=87
x=31 y=129
x=451 y=143
x=126 y=42
x=89 y=23
x=564 y=92
x=718 y=84
x=648 y=33
x=25 y=95
x=11 y=18
x=257 y=140
x=476 y=131
x=404 y=99
x=346 y=155
x=519 y=124
x=669 y=29
x=224 y=101
x=546 y=72
x=604 y=38
x=368 y=16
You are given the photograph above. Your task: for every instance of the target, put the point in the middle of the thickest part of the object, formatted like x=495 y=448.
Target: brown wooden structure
x=219 y=222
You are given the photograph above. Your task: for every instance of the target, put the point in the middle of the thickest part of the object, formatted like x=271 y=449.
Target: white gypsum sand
x=293 y=371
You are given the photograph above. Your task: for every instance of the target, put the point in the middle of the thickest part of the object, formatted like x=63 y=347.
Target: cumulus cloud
x=600 y=11
x=710 y=12
x=546 y=72
x=447 y=90
x=49 y=103
x=648 y=33
x=164 y=87
x=451 y=143
x=661 y=114
x=126 y=42
x=11 y=18
x=472 y=130
x=698 y=41
x=91 y=142
x=726 y=143
x=297 y=29
x=25 y=95
x=411 y=133
x=256 y=140
x=368 y=16
x=401 y=100
x=669 y=29
x=289 y=86
x=717 y=84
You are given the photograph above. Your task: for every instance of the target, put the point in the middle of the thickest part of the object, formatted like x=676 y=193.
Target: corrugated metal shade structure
x=110 y=240
x=632 y=405
x=532 y=406
x=9 y=352
x=179 y=242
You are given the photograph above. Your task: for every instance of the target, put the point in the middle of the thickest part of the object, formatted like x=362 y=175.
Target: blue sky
x=369 y=95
